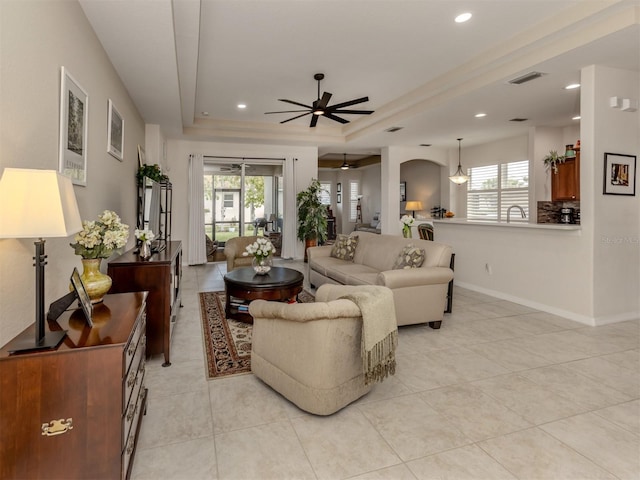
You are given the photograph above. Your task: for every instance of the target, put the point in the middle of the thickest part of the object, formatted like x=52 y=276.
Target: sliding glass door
x=242 y=199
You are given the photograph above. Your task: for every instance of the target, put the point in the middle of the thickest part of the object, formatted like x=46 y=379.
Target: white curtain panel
x=197 y=252
x=289 y=241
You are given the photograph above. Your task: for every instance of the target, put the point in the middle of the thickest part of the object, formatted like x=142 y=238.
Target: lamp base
x=25 y=342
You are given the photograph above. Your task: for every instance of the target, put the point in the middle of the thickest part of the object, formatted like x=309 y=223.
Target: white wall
x=304 y=159
x=616 y=225
x=591 y=275
x=37 y=38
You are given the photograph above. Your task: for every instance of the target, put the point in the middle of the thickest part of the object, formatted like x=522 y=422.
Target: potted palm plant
x=312 y=216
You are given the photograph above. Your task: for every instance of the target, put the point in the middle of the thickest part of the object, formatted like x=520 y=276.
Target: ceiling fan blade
x=353 y=112
x=334 y=118
x=287 y=111
x=295 y=103
x=349 y=103
x=322 y=104
x=293 y=118
x=314 y=120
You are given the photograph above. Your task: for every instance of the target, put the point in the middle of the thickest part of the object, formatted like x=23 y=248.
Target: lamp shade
x=459 y=177
x=414 y=205
x=37 y=203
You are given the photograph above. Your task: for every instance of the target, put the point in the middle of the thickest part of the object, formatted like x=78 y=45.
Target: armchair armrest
x=304 y=312
x=415 y=277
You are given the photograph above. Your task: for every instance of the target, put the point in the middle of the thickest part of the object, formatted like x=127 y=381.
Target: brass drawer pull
x=57 y=427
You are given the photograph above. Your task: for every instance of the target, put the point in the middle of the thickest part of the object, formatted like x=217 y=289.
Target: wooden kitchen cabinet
x=75 y=411
x=565 y=185
x=160 y=276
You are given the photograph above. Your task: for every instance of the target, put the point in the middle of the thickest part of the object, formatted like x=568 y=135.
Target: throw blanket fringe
x=379 y=332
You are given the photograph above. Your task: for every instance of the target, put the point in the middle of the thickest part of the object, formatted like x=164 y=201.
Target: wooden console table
x=160 y=276
x=75 y=411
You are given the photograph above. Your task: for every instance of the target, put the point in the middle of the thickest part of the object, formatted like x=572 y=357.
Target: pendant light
x=345 y=165
x=459 y=177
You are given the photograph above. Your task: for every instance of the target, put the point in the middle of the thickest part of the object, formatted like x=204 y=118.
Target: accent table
x=243 y=285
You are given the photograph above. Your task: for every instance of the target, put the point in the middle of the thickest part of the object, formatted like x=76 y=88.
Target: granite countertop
x=504 y=224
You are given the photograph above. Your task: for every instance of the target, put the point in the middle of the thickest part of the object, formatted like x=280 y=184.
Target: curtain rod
x=242 y=158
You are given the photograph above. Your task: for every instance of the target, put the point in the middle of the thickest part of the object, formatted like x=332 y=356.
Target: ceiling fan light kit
x=321 y=108
x=459 y=177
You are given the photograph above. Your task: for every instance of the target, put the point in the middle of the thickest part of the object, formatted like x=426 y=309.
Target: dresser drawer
x=130 y=412
x=130 y=350
x=136 y=364
x=130 y=443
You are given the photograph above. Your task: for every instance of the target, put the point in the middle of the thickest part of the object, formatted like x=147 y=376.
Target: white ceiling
x=420 y=70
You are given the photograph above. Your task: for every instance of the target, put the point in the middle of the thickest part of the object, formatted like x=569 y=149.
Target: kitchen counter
x=504 y=224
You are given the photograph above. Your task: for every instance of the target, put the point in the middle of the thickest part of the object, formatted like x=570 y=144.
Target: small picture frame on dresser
x=83 y=296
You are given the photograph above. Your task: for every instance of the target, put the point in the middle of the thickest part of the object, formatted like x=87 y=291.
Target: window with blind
x=492 y=189
x=325 y=193
x=354 y=193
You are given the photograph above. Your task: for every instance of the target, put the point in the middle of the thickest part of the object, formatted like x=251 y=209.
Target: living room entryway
x=242 y=197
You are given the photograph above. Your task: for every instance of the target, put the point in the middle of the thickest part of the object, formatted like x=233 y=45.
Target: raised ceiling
x=421 y=71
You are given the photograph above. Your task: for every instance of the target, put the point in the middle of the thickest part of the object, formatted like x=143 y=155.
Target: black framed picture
x=403 y=191
x=339 y=188
x=83 y=296
x=619 y=174
x=339 y=198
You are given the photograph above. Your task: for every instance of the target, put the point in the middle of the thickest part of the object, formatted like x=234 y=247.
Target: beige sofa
x=311 y=352
x=420 y=294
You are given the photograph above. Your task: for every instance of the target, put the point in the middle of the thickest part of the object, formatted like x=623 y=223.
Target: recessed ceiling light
x=480 y=115
x=572 y=86
x=577 y=117
x=206 y=114
x=241 y=106
x=463 y=17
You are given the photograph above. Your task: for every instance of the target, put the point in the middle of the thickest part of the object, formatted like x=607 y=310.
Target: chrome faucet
x=524 y=215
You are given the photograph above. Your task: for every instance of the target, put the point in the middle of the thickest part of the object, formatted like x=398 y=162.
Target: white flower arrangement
x=260 y=249
x=407 y=220
x=99 y=239
x=145 y=235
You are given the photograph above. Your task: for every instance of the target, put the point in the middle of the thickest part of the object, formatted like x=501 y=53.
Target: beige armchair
x=233 y=250
x=311 y=352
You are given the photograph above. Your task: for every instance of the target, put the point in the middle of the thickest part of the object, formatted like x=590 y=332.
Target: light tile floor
x=500 y=391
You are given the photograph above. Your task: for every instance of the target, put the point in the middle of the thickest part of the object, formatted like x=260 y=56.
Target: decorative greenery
x=406 y=221
x=153 y=172
x=99 y=239
x=312 y=214
x=552 y=160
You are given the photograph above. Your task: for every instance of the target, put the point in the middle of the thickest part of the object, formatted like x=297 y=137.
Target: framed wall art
x=619 y=174
x=74 y=128
x=403 y=191
x=339 y=188
x=115 y=132
x=339 y=198
x=142 y=158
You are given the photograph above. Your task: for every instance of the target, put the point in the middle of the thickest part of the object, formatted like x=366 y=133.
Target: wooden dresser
x=75 y=412
x=160 y=276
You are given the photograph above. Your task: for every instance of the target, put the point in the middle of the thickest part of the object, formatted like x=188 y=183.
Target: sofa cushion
x=347 y=272
x=345 y=247
x=409 y=257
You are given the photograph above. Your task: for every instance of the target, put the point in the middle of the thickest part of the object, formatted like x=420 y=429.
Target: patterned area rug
x=227 y=343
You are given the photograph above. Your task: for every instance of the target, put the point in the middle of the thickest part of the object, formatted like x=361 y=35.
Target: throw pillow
x=345 y=247
x=409 y=257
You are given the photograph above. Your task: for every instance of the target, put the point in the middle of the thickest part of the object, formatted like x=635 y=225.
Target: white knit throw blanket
x=379 y=333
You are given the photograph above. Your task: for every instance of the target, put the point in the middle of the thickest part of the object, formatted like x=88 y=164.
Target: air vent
x=518 y=119
x=527 y=77
x=393 y=129
x=425 y=144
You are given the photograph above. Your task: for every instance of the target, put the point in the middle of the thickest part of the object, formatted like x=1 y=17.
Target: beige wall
x=36 y=39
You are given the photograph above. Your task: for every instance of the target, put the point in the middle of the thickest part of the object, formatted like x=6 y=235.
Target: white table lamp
x=37 y=204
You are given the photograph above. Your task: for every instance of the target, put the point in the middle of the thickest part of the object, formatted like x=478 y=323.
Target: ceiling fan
x=321 y=107
x=345 y=165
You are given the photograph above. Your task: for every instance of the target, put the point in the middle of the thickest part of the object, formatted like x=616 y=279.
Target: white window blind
x=492 y=189
x=325 y=193
x=354 y=193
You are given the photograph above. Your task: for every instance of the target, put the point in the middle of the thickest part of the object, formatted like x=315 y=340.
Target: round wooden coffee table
x=242 y=285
